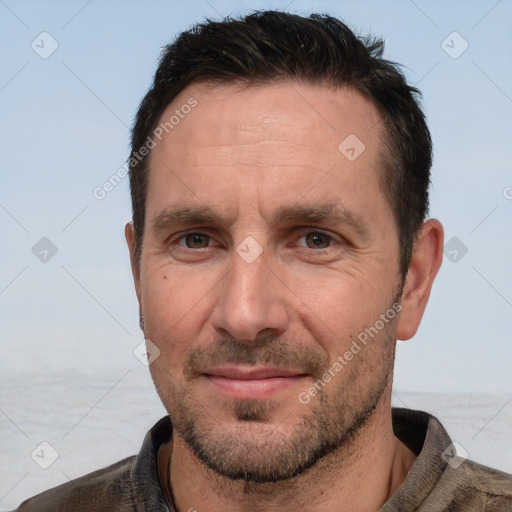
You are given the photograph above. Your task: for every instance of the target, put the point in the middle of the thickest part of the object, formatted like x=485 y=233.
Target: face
x=269 y=274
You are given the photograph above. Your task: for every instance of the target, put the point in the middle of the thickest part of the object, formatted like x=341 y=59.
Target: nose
x=251 y=299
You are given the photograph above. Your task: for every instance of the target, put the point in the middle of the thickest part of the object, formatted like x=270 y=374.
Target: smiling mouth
x=249 y=382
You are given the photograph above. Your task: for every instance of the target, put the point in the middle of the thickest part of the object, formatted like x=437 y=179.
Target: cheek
x=172 y=314
x=336 y=310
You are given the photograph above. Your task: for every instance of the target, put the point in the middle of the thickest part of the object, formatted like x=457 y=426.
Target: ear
x=426 y=259
x=129 y=233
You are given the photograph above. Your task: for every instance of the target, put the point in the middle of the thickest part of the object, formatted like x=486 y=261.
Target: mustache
x=266 y=350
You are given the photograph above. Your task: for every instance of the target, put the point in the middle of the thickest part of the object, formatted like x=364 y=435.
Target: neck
x=361 y=476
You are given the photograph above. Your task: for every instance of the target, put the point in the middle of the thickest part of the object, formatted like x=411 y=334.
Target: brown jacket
x=437 y=481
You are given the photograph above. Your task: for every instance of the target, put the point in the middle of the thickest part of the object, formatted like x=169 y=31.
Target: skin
x=245 y=153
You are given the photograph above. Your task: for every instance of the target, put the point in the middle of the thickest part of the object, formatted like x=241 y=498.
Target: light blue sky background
x=69 y=326
x=64 y=130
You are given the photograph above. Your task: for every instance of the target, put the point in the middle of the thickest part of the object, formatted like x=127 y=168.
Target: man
x=279 y=177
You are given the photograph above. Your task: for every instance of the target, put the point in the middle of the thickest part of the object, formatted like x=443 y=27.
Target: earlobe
x=426 y=260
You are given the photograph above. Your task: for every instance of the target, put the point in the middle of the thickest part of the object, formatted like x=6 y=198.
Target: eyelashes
x=197 y=240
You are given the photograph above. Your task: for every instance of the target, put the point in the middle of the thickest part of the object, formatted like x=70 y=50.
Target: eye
x=317 y=240
x=195 y=241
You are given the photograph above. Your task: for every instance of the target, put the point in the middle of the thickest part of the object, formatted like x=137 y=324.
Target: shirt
x=438 y=480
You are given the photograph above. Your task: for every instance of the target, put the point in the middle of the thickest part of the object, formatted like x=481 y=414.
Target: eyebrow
x=186 y=215
x=314 y=213
x=324 y=213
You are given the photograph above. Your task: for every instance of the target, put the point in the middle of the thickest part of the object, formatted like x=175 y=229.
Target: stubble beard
x=257 y=450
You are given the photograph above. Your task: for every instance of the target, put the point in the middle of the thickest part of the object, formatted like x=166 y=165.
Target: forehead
x=282 y=141
x=313 y=116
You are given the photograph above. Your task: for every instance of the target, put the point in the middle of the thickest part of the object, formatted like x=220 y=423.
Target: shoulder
x=105 y=489
x=127 y=486
x=483 y=485
x=440 y=479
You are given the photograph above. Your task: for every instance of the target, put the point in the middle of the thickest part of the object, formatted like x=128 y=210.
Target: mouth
x=252 y=383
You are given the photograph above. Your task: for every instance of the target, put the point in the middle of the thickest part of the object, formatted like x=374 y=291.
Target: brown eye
x=196 y=240
x=317 y=240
